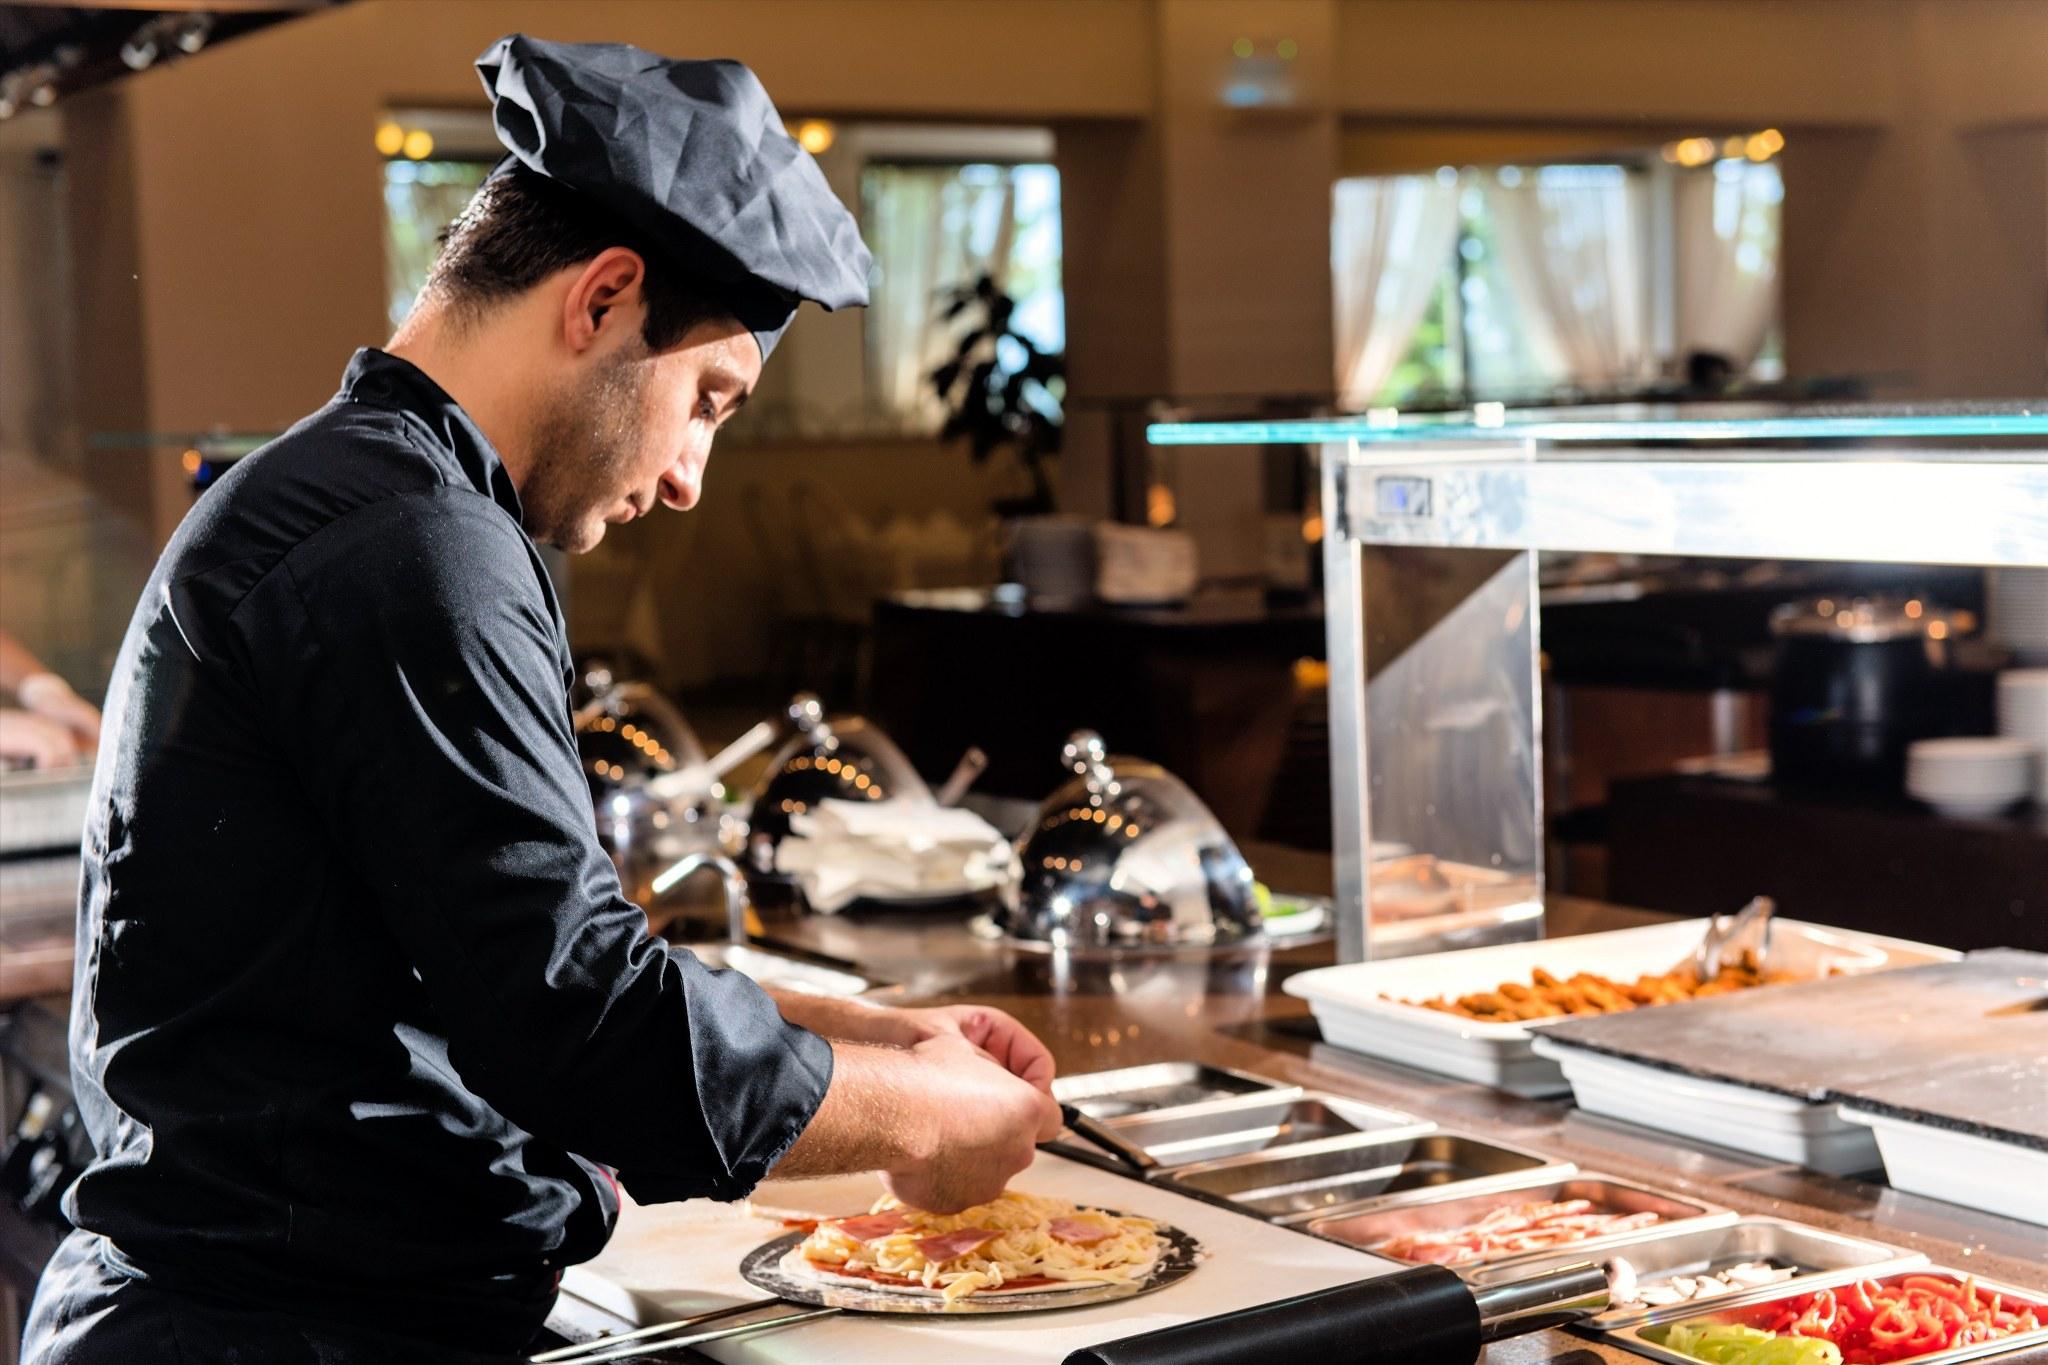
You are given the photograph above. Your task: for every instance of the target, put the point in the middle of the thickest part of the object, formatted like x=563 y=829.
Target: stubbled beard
x=582 y=443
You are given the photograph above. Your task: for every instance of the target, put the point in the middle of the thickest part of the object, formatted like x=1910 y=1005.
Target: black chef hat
x=694 y=155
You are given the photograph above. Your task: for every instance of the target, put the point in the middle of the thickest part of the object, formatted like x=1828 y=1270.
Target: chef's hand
x=50 y=697
x=1007 y=1042
x=35 y=740
x=1014 y=1047
x=987 y=1128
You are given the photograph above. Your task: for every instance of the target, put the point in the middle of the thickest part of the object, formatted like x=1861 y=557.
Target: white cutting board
x=671 y=1260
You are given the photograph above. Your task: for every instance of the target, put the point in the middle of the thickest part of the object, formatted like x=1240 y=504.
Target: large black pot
x=1855 y=683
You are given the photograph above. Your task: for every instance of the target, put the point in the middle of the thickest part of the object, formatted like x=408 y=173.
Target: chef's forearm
x=876 y=1116
x=846 y=1020
x=944 y=1123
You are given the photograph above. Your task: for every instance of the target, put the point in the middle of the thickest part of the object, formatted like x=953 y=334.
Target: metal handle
x=1551 y=1300
x=1722 y=933
x=659 y=1329
x=697 y=779
x=1109 y=1139
x=1085 y=754
x=664 y=1336
x=729 y=876
x=971 y=766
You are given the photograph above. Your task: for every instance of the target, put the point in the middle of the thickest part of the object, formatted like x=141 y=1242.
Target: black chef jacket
x=359 y=1005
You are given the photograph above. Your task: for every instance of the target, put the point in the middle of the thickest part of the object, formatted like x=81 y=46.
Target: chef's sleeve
x=436 y=735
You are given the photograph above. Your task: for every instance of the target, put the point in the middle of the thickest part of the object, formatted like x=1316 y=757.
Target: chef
x=364 y=1034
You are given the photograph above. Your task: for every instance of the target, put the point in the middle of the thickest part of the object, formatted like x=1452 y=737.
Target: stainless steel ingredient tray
x=1160 y=1085
x=1258 y=1123
x=1442 y=1213
x=1637 y=1338
x=1315 y=1180
x=1658 y=1253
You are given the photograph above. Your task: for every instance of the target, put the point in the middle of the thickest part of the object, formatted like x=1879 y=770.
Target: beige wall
x=226 y=210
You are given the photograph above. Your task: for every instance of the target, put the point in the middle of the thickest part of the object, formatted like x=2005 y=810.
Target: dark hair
x=521 y=227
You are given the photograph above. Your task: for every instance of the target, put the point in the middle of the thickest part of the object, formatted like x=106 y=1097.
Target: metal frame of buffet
x=1442 y=753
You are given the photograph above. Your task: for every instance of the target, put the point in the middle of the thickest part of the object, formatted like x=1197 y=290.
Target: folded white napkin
x=891 y=850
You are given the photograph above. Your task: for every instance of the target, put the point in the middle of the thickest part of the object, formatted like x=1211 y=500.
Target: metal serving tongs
x=679 y=1335
x=1109 y=1140
x=1749 y=927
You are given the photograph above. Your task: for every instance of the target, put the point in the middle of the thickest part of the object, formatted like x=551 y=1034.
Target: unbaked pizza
x=1014 y=1244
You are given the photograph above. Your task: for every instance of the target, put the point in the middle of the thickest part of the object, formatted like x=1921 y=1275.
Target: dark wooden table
x=1206 y=689
x=1882 y=864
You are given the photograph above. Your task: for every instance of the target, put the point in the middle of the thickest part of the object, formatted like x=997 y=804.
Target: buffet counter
x=1229 y=1012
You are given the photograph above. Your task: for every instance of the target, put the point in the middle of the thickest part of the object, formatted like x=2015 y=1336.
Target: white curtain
x=1726 y=222
x=930 y=228
x=1390 y=243
x=1574 y=242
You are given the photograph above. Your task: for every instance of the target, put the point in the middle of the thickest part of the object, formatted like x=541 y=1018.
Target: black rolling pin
x=1423 y=1316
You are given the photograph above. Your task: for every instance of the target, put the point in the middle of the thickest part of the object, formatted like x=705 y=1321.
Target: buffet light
x=1159 y=505
x=390 y=138
x=419 y=144
x=1698 y=151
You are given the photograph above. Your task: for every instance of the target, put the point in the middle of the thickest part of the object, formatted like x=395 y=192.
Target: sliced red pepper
x=1892 y=1324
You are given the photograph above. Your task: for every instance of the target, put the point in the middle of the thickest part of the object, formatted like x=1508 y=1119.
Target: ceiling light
x=816 y=135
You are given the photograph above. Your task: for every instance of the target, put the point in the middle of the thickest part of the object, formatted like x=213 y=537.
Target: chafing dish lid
x=1124 y=854
x=841 y=758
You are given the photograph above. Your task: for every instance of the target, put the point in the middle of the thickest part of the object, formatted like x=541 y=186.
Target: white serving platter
x=1961 y=1168
x=1358 y=1006
x=1760 y=1122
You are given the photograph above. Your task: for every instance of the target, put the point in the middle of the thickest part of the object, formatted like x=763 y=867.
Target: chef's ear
x=606 y=294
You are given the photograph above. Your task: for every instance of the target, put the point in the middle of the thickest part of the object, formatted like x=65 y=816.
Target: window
x=935 y=228
x=434 y=159
x=420 y=197
x=939 y=206
x=1526 y=282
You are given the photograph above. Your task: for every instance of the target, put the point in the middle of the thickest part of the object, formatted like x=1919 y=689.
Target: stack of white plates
x=2023 y=715
x=1973 y=776
x=2016 y=601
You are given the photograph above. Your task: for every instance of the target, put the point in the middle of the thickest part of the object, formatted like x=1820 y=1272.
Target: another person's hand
x=1016 y=1048
x=990 y=1123
x=50 y=697
x=36 y=740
